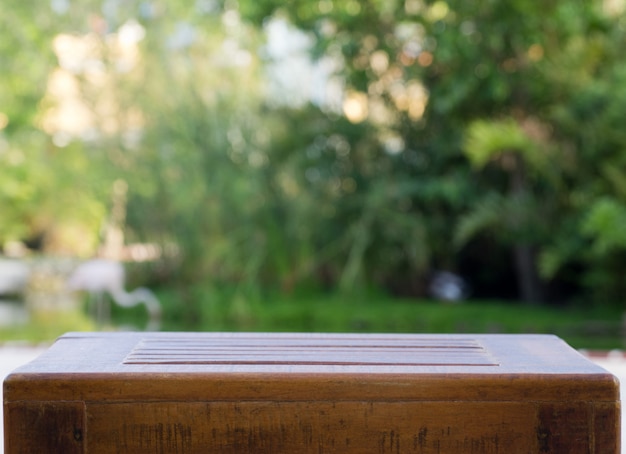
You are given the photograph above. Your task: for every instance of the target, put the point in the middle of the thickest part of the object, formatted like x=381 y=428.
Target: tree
x=38 y=190
x=458 y=123
x=429 y=73
x=516 y=215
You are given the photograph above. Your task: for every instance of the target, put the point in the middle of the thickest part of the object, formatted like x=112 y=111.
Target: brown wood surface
x=311 y=393
x=104 y=366
x=44 y=427
x=338 y=427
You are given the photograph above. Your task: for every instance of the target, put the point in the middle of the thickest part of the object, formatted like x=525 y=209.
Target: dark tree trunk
x=528 y=282
x=529 y=285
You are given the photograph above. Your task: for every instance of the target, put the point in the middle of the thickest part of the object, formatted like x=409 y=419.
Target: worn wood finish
x=311 y=393
x=44 y=427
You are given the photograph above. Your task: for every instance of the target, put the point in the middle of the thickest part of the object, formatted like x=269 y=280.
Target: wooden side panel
x=44 y=427
x=606 y=430
x=579 y=427
x=565 y=428
x=313 y=427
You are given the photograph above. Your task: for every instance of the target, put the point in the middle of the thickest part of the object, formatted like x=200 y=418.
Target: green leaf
x=604 y=223
x=487 y=215
x=487 y=140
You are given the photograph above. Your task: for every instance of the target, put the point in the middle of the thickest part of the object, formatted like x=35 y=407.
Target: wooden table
x=310 y=393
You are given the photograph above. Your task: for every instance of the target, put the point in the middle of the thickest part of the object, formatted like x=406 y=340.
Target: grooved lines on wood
x=329 y=350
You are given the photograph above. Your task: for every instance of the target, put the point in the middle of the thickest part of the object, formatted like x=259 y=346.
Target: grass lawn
x=592 y=328
x=315 y=312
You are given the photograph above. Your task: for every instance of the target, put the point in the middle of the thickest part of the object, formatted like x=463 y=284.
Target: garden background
x=314 y=165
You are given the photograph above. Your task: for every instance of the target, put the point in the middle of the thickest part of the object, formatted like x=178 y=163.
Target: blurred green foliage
x=226 y=309
x=46 y=326
x=229 y=309
x=461 y=138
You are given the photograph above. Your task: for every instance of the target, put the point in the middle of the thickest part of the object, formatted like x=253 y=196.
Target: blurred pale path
x=12 y=357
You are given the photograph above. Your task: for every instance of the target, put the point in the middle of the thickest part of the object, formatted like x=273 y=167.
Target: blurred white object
x=100 y=277
x=12 y=313
x=448 y=286
x=14 y=275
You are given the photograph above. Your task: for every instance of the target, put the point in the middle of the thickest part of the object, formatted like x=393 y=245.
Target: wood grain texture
x=606 y=421
x=363 y=427
x=311 y=393
x=44 y=427
x=312 y=427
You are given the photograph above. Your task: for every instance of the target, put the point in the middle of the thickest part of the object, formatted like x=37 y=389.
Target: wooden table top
x=297 y=366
